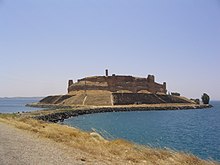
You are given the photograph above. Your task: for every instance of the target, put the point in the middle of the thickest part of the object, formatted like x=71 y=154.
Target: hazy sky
x=43 y=43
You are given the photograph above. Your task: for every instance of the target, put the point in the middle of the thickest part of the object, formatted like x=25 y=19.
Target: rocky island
x=115 y=90
x=112 y=94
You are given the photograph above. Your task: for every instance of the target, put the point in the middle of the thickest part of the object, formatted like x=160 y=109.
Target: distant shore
x=58 y=113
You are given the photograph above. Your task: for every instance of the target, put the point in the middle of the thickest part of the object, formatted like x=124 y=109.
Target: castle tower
x=151 y=78
x=70 y=82
x=165 y=87
x=106 y=72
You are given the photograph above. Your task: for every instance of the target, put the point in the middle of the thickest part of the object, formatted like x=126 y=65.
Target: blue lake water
x=192 y=131
x=10 y=105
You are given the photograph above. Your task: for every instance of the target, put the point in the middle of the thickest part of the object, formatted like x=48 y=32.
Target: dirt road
x=18 y=147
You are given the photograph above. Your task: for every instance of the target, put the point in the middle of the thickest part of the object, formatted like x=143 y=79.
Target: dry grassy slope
x=74 y=100
x=102 y=98
x=91 y=97
x=116 y=152
x=54 y=99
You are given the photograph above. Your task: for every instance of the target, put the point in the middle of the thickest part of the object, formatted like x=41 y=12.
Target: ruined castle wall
x=155 y=87
x=143 y=98
x=135 y=98
x=94 y=79
x=90 y=87
x=117 y=83
x=173 y=99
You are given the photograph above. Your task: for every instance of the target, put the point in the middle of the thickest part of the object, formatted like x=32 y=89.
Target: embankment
x=57 y=116
x=106 y=98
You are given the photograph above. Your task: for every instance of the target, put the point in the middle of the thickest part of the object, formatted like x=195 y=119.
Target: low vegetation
x=205 y=98
x=116 y=151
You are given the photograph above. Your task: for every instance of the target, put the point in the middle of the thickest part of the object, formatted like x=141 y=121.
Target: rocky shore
x=72 y=112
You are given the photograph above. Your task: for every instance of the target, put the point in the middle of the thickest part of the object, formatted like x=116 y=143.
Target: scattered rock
x=61 y=116
x=97 y=136
x=83 y=159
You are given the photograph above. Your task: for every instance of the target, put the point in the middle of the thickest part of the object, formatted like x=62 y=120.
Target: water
x=192 y=131
x=13 y=105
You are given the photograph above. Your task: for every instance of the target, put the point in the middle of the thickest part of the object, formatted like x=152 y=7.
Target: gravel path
x=18 y=147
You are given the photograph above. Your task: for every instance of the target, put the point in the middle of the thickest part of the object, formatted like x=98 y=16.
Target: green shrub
x=205 y=98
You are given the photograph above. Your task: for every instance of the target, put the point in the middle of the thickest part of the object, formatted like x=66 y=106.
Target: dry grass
x=103 y=98
x=99 y=97
x=115 y=151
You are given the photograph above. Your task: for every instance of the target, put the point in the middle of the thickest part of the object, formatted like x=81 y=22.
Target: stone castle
x=115 y=90
x=116 y=83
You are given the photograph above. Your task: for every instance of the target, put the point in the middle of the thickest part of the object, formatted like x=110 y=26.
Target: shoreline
x=59 y=113
x=92 y=145
x=113 y=151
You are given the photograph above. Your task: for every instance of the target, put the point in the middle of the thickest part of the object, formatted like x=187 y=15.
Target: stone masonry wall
x=143 y=98
x=117 y=83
